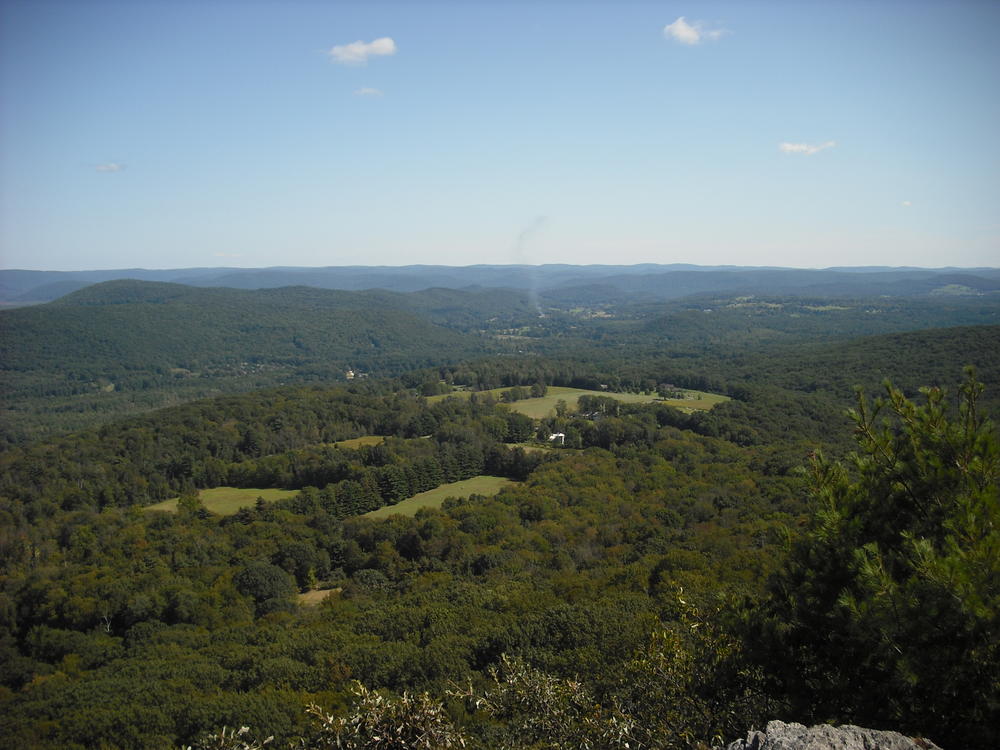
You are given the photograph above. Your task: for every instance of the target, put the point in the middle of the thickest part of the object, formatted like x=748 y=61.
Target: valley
x=394 y=490
x=383 y=375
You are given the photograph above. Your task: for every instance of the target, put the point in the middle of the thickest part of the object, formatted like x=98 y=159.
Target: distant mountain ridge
x=114 y=342
x=826 y=283
x=127 y=345
x=141 y=325
x=459 y=309
x=649 y=281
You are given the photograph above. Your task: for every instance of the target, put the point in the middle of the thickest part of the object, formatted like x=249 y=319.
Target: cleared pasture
x=227 y=500
x=314 y=597
x=358 y=442
x=481 y=485
x=695 y=401
x=537 y=408
x=531 y=447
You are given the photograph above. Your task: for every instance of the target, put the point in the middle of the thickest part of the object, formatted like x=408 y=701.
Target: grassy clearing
x=536 y=408
x=532 y=447
x=696 y=401
x=358 y=442
x=227 y=500
x=312 y=598
x=481 y=485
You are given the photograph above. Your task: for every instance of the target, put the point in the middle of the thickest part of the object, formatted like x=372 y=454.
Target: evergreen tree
x=887 y=612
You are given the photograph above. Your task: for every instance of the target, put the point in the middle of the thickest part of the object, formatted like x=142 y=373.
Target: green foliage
x=126 y=629
x=123 y=346
x=536 y=710
x=693 y=685
x=269 y=586
x=193 y=617
x=378 y=722
x=230 y=739
x=888 y=609
x=189 y=504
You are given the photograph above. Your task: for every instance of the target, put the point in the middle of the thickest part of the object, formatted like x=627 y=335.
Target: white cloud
x=804 y=148
x=366 y=91
x=357 y=53
x=906 y=204
x=691 y=33
x=111 y=166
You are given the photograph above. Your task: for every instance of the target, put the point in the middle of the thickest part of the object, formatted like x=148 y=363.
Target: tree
x=268 y=585
x=888 y=609
x=189 y=504
x=378 y=722
x=691 y=685
x=540 y=711
x=519 y=427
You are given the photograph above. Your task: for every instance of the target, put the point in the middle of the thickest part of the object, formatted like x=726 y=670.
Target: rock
x=782 y=736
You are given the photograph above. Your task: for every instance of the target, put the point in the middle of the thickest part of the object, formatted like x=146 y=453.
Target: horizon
x=655 y=266
x=720 y=266
x=718 y=134
x=711 y=266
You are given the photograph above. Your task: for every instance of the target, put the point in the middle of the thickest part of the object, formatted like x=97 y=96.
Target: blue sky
x=795 y=133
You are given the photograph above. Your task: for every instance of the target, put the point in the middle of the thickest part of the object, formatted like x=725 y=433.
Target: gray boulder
x=782 y=736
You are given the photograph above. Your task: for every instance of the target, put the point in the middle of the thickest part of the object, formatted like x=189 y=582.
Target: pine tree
x=887 y=612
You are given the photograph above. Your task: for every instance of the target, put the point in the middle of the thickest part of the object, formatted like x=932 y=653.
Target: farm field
x=696 y=401
x=313 y=598
x=537 y=408
x=359 y=442
x=481 y=485
x=532 y=447
x=227 y=500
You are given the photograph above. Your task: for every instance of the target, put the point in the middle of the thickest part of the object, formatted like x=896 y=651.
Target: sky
x=797 y=133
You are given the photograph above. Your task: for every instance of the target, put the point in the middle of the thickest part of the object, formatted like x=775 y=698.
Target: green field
x=481 y=485
x=227 y=500
x=695 y=401
x=358 y=442
x=532 y=447
x=313 y=598
x=536 y=408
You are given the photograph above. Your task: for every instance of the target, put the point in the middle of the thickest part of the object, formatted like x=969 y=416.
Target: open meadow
x=695 y=401
x=544 y=406
x=227 y=500
x=359 y=442
x=481 y=485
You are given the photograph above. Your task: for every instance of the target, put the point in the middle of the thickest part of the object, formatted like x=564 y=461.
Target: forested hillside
x=657 y=568
x=558 y=570
x=123 y=346
x=701 y=443
x=126 y=346
x=566 y=283
x=136 y=629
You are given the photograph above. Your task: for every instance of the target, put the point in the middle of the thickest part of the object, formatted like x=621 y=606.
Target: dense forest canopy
x=124 y=346
x=662 y=571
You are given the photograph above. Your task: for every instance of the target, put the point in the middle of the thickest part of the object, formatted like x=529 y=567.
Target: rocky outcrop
x=782 y=736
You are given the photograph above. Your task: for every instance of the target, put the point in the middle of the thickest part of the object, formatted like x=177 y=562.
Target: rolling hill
x=560 y=283
x=127 y=345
